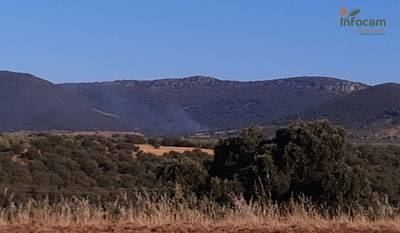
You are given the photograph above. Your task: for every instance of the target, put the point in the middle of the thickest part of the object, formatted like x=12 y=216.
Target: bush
x=177 y=142
x=154 y=142
x=135 y=139
x=312 y=156
x=18 y=148
x=4 y=144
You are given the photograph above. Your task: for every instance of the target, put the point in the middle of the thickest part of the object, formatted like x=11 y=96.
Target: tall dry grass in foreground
x=147 y=211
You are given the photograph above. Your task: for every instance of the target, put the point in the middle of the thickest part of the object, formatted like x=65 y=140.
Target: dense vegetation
x=306 y=159
x=84 y=161
x=373 y=107
x=168 y=106
x=310 y=159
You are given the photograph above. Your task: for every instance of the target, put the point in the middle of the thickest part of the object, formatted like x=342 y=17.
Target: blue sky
x=75 y=41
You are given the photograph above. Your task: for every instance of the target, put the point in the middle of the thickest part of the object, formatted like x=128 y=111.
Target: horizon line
x=216 y=77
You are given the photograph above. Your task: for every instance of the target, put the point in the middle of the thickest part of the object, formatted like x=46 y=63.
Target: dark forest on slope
x=187 y=105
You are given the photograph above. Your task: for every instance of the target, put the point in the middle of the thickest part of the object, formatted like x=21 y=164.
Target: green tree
x=154 y=142
x=244 y=160
x=312 y=155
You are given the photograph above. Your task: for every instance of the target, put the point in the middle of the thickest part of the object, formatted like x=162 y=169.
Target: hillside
x=377 y=106
x=202 y=103
x=177 y=105
x=31 y=103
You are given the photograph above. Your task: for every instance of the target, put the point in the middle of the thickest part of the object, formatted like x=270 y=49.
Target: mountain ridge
x=200 y=79
x=174 y=105
x=177 y=99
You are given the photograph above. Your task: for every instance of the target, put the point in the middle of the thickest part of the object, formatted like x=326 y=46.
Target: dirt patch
x=191 y=228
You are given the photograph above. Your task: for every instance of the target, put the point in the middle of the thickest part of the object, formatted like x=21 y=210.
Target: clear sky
x=74 y=41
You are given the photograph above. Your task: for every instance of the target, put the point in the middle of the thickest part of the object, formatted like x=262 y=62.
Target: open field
x=173 y=215
x=165 y=149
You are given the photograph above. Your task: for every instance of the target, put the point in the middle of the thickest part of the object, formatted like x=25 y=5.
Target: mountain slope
x=365 y=108
x=160 y=106
x=30 y=103
x=199 y=102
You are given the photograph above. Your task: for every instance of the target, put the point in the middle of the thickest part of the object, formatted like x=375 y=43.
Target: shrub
x=154 y=142
x=4 y=144
x=135 y=139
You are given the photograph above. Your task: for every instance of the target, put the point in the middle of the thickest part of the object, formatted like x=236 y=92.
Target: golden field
x=173 y=215
x=146 y=148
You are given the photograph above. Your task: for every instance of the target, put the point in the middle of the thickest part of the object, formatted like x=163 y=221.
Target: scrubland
x=307 y=178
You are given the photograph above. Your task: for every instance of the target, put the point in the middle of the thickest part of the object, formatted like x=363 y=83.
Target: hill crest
x=178 y=105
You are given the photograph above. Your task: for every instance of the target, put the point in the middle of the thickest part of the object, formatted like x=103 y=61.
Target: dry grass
x=165 y=149
x=162 y=214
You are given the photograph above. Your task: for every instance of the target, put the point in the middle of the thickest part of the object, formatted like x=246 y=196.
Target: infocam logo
x=365 y=26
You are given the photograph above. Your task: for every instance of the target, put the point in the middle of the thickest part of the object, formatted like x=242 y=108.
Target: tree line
x=308 y=159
